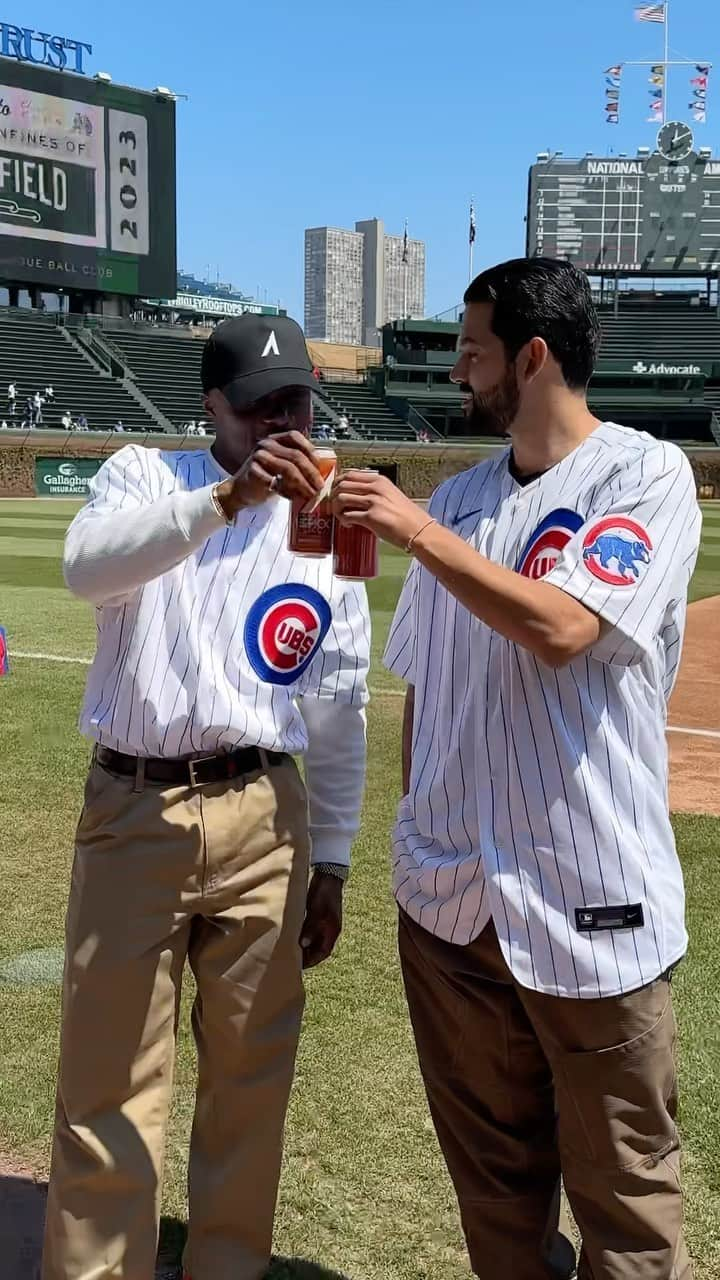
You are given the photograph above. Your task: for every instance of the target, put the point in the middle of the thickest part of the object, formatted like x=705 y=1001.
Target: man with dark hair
x=540 y=893
x=542 y=298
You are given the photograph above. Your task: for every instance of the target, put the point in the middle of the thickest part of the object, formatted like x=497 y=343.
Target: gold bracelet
x=218 y=505
x=409 y=545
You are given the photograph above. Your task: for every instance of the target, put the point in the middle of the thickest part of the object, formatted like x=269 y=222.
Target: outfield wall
x=419 y=468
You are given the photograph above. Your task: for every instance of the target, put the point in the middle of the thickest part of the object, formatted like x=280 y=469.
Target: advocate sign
x=662 y=369
x=610 y=367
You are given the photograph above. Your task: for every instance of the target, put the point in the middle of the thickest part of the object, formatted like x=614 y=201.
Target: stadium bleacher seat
x=166 y=367
x=161 y=387
x=663 y=332
x=369 y=416
x=35 y=353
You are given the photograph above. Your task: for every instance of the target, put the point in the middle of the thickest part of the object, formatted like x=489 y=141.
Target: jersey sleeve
x=340 y=670
x=127 y=534
x=400 y=650
x=122 y=482
x=633 y=557
x=401 y=647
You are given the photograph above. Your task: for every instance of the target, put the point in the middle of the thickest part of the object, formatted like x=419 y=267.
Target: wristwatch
x=336 y=869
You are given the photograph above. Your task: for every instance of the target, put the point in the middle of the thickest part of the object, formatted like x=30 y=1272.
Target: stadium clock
x=675 y=141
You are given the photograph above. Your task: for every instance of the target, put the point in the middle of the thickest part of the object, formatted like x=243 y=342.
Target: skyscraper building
x=404 y=292
x=333 y=285
x=357 y=281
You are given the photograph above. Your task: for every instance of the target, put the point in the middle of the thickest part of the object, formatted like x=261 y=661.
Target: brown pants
x=217 y=876
x=522 y=1086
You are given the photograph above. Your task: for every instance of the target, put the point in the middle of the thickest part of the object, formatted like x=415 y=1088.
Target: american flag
x=472 y=232
x=650 y=13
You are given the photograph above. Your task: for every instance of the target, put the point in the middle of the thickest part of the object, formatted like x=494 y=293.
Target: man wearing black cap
x=220 y=656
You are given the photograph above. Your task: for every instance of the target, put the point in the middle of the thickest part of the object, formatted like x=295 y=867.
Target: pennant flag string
x=612 y=93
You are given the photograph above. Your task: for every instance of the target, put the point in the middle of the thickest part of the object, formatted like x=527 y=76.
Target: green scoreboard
x=87 y=183
x=652 y=213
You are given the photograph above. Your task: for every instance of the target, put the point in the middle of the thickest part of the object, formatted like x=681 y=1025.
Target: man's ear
x=210 y=401
x=532 y=360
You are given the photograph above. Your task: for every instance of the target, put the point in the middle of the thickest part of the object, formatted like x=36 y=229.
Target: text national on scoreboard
x=642 y=214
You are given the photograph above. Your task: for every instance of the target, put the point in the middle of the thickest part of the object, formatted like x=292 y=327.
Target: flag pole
x=666 y=61
x=405 y=271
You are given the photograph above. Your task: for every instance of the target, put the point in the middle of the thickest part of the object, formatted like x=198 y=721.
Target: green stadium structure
x=111 y=370
x=659 y=369
x=35 y=352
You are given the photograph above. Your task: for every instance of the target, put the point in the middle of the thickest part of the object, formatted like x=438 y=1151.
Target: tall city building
x=334 y=285
x=357 y=281
x=404 y=292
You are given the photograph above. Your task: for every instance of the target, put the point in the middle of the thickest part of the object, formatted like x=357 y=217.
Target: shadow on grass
x=22 y=1218
x=299 y=1269
x=172 y=1242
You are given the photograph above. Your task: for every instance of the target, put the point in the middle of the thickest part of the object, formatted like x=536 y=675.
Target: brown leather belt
x=191 y=773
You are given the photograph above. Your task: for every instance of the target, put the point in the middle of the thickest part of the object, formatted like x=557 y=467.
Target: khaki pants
x=217 y=876
x=522 y=1086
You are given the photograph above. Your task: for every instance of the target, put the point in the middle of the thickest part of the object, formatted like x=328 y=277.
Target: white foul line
x=379 y=692
x=49 y=657
x=698 y=733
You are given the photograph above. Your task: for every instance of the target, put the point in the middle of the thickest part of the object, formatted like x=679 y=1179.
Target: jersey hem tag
x=595 y=919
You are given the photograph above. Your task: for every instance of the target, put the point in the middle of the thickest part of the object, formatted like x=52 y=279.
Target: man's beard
x=493 y=412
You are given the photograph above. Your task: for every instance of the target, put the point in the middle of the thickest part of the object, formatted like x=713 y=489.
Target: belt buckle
x=192 y=773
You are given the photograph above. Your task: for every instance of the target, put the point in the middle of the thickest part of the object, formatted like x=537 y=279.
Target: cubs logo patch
x=544 y=546
x=617 y=551
x=284 y=630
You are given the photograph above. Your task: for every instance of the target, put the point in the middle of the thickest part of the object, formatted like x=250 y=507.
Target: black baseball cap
x=250 y=356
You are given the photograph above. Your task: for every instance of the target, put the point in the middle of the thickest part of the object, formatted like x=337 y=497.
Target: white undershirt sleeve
x=334 y=775
x=126 y=536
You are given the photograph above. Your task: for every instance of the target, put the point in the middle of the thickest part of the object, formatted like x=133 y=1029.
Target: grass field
x=364 y=1192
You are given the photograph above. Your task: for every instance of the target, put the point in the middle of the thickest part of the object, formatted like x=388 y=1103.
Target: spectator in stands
x=66 y=421
x=50 y=393
x=29 y=415
x=343 y=424
x=119 y=425
x=332 y=435
x=12 y=397
x=200 y=429
x=190 y=427
x=82 y=423
x=38 y=402
x=322 y=431
x=3 y=425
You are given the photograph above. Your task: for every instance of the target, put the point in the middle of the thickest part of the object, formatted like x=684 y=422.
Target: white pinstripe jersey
x=212 y=654
x=539 y=796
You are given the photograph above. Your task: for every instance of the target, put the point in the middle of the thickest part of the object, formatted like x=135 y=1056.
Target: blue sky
x=302 y=114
